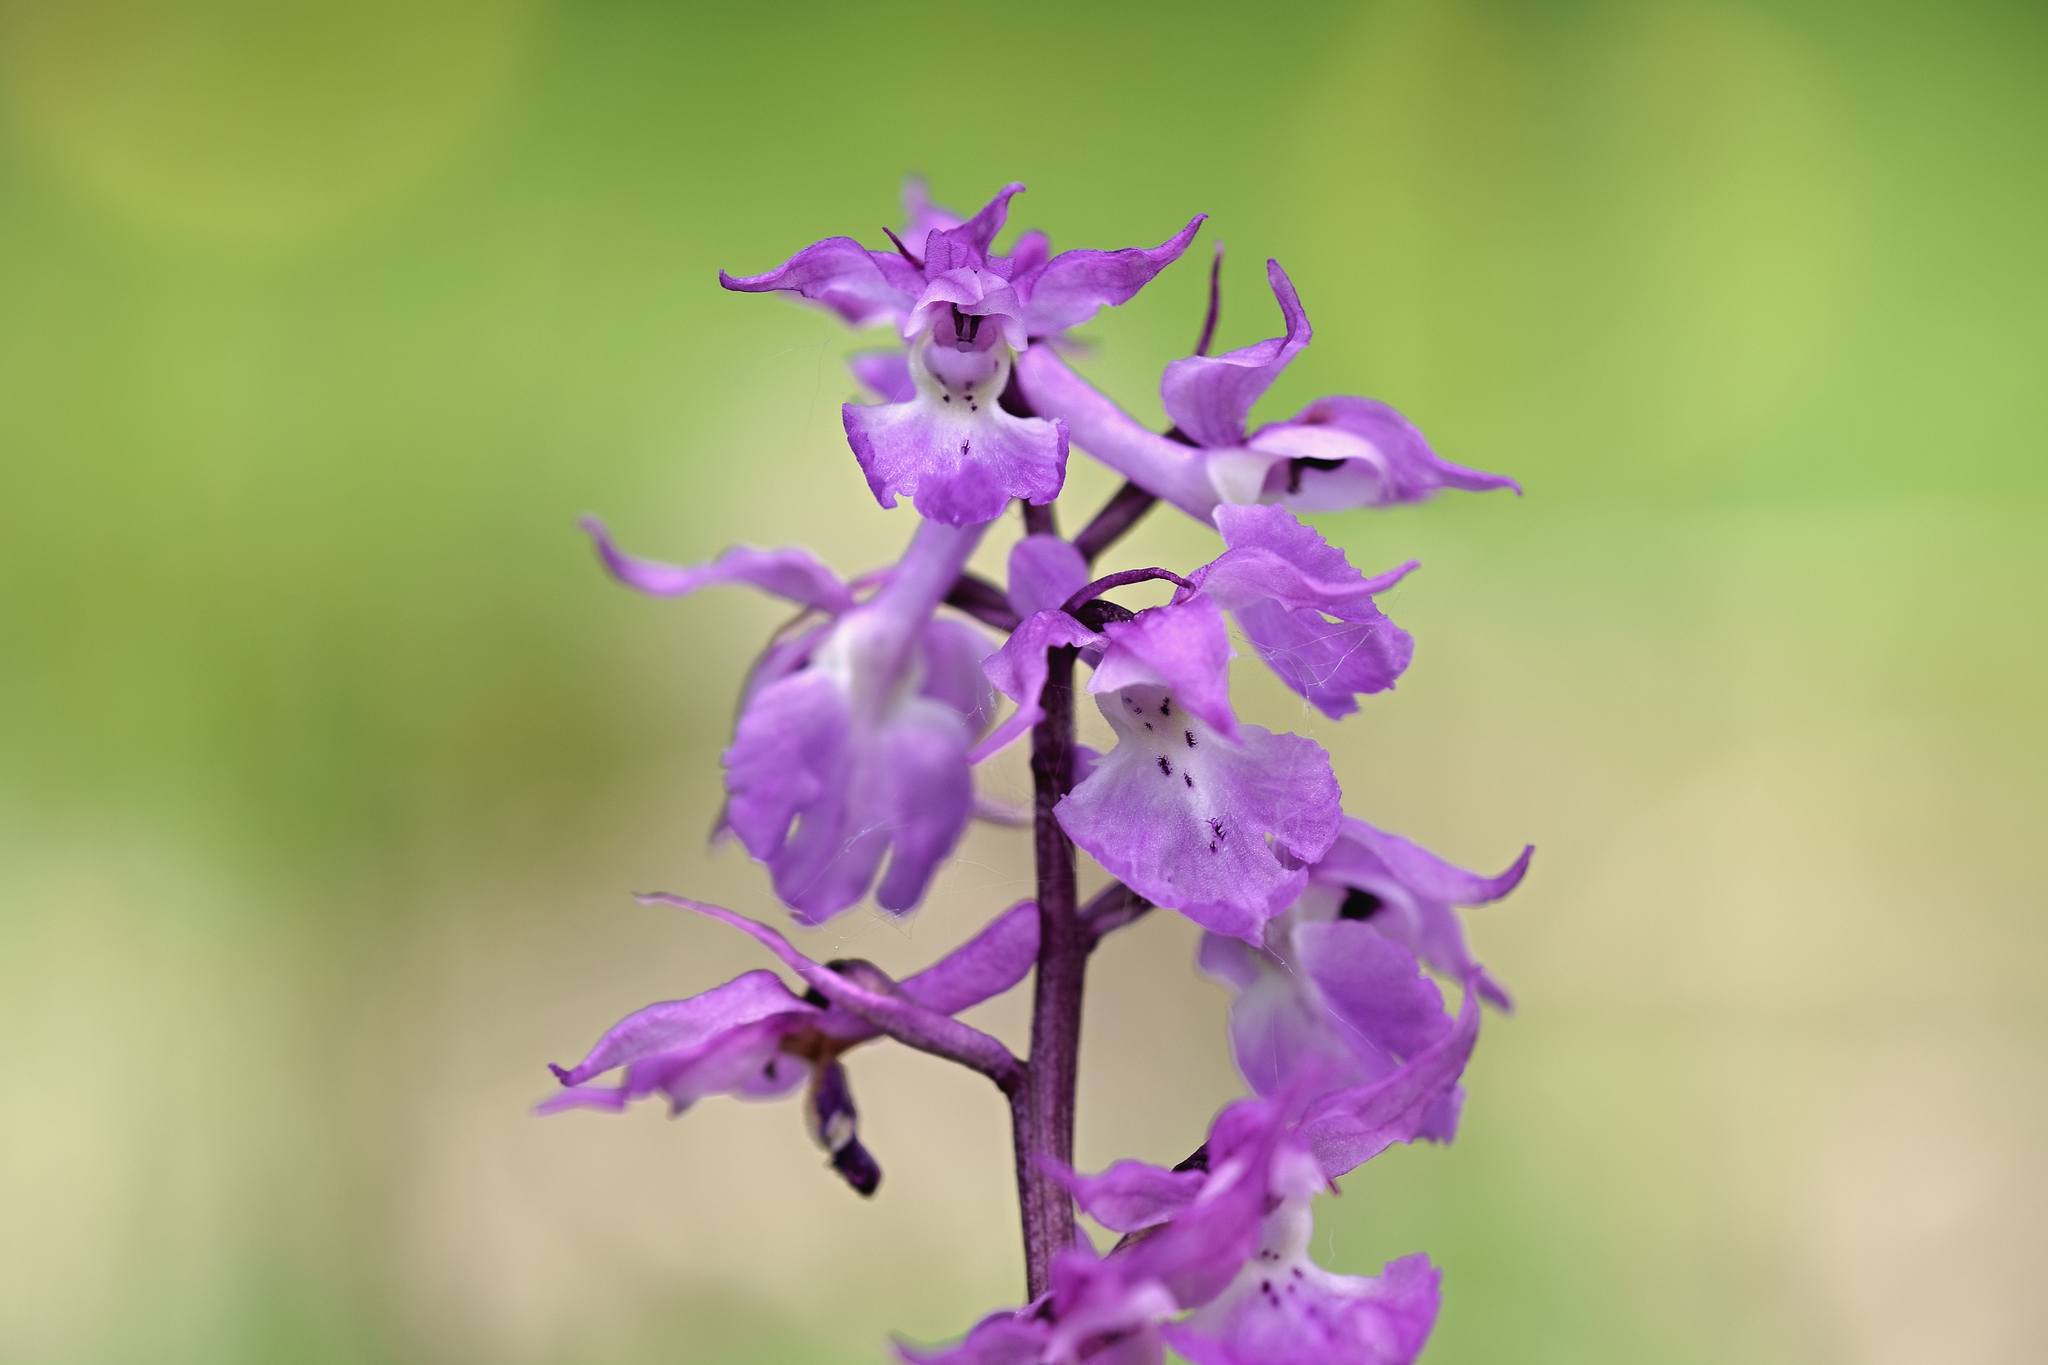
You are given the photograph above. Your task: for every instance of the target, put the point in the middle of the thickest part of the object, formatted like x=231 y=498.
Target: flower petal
x=1365 y=848
x=1007 y=1338
x=789 y=759
x=1344 y=452
x=1373 y=986
x=969 y=291
x=1203 y=837
x=1074 y=286
x=822 y=800
x=1309 y=614
x=1132 y=1195
x=1207 y=397
x=1018 y=671
x=745 y=1061
x=1304 y=1315
x=1329 y=663
x=1351 y=1126
x=1045 y=570
x=1418 y=891
x=1200 y=1251
x=922 y=788
x=680 y=1023
x=1027 y=255
x=953 y=651
x=895 y=1014
x=1279 y=1033
x=885 y=374
x=960 y=469
x=1182 y=648
x=792 y=574
x=859 y=285
x=968 y=244
x=1273 y=553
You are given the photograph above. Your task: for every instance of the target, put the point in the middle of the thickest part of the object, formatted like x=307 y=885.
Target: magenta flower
x=754 y=1038
x=1333 y=1000
x=964 y=315
x=1215 y=1256
x=1336 y=453
x=851 y=744
x=1191 y=809
x=1337 y=990
x=1307 y=612
x=1412 y=896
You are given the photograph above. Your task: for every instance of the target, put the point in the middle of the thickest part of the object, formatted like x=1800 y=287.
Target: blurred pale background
x=329 y=756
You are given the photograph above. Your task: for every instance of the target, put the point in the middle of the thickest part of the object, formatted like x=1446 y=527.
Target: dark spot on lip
x=1148 y=725
x=1166 y=706
x=1300 y=462
x=1190 y=737
x=1360 y=905
x=1188 y=778
x=1164 y=766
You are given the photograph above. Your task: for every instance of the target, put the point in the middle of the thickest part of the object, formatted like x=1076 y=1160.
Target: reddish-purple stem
x=1042 y=1109
x=1123 y=511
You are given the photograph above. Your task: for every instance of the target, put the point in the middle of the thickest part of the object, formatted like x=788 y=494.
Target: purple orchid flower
x=1336 y=453
x=1310 y=616
x=1337 y=989
x=755 y=1038
x=964 y=315
x=851 y=744
x=1191 y=809
x=1214 y=1259
x=1333 y=999
x=1307 y=612
x=1412 y=896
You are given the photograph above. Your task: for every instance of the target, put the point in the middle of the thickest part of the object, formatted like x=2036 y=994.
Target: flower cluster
x=851 y=775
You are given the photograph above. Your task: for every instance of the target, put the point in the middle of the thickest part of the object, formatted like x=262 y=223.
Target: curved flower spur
x=850 y=776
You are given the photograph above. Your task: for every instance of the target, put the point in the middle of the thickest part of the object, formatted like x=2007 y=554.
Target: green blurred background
x=327 y=756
